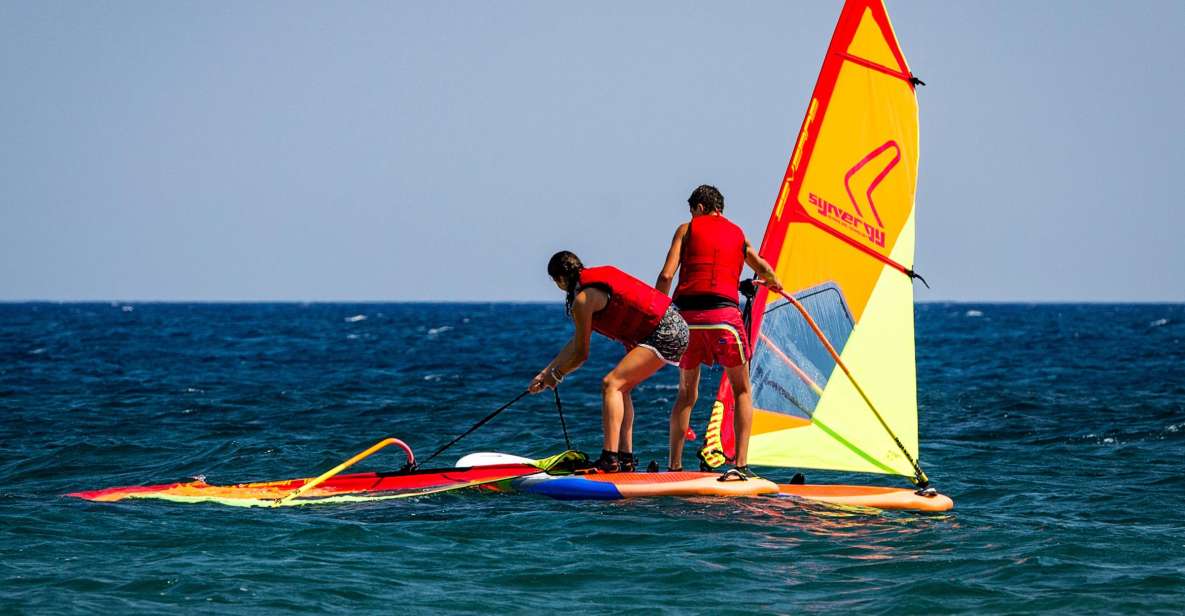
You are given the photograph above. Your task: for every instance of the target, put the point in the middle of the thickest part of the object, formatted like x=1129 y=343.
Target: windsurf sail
x=332 y=487
x=841 y=238
x=359 y=487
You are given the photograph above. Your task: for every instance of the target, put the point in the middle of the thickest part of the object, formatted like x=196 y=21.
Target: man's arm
x=762 y=268
x=667 y=275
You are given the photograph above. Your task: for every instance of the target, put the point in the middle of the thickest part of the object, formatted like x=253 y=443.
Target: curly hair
x=708 y=196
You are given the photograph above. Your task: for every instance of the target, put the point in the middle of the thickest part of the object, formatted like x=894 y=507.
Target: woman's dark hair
x=708 y=196
x=566 y=266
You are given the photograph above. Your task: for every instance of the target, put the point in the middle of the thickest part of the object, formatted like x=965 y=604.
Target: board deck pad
x=612 y=486
x=869 y=496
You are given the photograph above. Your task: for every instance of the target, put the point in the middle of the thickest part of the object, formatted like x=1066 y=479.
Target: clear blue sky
x=444 y=150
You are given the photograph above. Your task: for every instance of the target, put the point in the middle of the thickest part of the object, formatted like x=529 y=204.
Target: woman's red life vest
x=634 y=309
x=712 y=260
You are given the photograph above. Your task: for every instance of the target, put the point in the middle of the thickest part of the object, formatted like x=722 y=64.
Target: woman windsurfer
x=613 y=303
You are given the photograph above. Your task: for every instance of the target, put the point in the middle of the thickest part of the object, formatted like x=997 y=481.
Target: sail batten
x=877 y=67
x=840 y=236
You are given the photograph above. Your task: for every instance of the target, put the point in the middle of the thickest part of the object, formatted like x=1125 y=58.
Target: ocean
x=1058 y=429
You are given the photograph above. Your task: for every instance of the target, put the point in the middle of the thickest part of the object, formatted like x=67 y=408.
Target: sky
x=305 y=151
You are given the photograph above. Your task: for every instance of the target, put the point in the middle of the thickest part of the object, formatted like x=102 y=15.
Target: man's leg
x=681 y=413
x=742 y=413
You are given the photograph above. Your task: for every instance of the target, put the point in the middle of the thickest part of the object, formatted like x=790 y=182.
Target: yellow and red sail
x=841 y=238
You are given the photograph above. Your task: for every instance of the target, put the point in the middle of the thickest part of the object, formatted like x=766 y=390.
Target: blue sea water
x=1059 y=430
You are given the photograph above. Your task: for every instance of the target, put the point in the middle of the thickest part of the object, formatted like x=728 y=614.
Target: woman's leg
x=681 y=413
x=625 y=440
x=742 y=412
x=637 y=366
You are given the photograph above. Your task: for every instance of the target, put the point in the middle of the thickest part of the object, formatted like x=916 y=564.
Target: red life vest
x=634 y=309
x=712 y=260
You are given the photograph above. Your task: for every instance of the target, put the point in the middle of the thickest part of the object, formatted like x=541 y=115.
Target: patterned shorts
x=669 y=339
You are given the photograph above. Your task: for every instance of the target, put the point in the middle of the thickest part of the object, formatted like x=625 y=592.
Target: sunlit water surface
x=1059 y=430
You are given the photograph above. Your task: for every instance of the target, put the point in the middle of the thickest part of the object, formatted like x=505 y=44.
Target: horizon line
x=118 y=302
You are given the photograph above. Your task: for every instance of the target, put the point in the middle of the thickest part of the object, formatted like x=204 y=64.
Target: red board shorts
x=717 y=337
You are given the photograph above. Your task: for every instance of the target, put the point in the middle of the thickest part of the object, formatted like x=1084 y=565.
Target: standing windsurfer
x=613 y=303
x=709 y=253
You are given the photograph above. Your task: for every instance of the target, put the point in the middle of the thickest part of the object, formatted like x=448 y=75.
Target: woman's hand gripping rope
x=548 y=378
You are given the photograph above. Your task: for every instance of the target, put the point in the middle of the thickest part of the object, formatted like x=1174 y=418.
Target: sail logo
x=889 y=153
x=853 y=222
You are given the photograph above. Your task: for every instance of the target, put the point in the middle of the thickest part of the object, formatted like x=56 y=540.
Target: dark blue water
x=1059 y=430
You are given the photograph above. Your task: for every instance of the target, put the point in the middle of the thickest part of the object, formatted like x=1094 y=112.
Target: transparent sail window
x=790 y=366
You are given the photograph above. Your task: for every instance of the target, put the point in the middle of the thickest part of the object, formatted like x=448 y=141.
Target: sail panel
x=843 y=434
x=790 y=366
x=860 y=181
x=874 y=41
